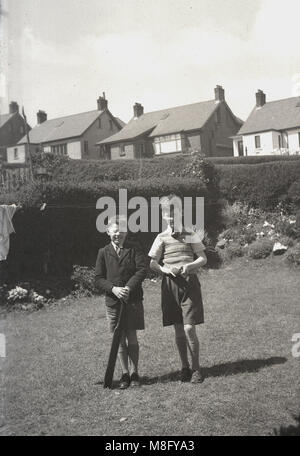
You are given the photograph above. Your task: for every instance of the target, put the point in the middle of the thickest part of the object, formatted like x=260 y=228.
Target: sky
x=60 y=55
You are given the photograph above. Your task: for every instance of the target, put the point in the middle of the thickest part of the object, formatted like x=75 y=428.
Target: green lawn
x=56 y=358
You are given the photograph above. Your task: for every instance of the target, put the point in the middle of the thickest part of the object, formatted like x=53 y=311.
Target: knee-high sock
x=133 y=353
x=123 y=355
x=181 y=343
x=193 y=344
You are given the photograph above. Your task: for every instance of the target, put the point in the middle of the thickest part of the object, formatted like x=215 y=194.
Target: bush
x=235 y=214
x=261 y=248
x=286 y=241
x=50 y=161
x=285 y=228
x=83 y=279
x=293 y=255
x=294 y=193
x=205 y=171
x=232 y=250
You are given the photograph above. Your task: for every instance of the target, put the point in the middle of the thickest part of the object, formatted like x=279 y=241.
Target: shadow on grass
x=241 y=366
x=220 y=370
x=292 y=430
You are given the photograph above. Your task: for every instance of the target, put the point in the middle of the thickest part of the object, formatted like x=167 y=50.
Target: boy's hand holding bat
x=121 y=292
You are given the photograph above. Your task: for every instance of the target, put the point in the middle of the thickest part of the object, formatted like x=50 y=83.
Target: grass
x=56 y=357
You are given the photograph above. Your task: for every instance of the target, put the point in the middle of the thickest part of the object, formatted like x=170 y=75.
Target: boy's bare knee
x=189 y=330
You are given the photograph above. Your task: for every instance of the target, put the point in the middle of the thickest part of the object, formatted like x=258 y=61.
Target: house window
x=257 y=142
x=279 y=142
x=60 y=149
x=167 y=144
x=99 y=123
x=16 y=153
x=110 y=125
x=86 y=148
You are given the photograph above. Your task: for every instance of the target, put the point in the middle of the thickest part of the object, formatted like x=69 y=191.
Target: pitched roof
x=63 y=127
x=274 y=115
x=4 y=118
x=167 y=121
x=120 y=122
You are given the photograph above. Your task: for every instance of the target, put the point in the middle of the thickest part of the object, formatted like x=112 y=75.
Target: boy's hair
x=171 y=200
x=119 y=220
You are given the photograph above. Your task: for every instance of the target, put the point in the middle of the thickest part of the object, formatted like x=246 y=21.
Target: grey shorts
x=133 y=318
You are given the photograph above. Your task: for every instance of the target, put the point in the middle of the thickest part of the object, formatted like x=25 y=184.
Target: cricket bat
x=109 y=373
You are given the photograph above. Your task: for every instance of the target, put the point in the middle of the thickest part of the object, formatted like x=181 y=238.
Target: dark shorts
x=179 y=306
x=133 y=318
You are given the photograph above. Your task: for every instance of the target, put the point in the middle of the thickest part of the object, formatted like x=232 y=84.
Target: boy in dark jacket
x=120 y=270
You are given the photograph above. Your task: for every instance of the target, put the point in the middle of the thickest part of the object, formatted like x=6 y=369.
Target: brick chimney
x=260 y=98
x=138 y=110
x=41 y=116
x=219 y=93
x=102 y=103
x=13 y=107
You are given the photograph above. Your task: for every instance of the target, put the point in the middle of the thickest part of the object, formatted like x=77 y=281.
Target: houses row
x=209 y=127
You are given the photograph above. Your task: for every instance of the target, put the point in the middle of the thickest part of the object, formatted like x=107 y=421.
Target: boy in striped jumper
x=182 y=253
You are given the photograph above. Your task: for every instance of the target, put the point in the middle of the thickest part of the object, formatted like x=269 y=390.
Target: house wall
x=235 y=147
x=95 y=134
x=21 y=154
x=293 y=137
x=193 y=141
x=269 y=142
x=215 y=136
x=266 y=144
x=74 y=149
x=122 y=152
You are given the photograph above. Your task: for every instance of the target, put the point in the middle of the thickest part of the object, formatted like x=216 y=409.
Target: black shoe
x=135 y=380
x=185 y=374
x=197 y=377
x=124 y=381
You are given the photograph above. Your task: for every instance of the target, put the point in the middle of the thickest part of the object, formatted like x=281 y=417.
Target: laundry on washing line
x=6 y=227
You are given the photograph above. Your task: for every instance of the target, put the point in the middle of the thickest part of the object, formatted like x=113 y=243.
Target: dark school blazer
x=130 y=269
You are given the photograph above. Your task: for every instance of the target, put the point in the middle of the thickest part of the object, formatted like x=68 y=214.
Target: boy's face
x=115 y=235
x=172 y=216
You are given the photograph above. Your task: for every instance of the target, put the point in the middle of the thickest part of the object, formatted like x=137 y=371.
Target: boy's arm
x=198 y=249
x=100 y=277
x=141 y=270
x=156 y=252
x=156 y=267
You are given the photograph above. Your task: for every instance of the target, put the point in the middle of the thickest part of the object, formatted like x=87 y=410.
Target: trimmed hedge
x=252 y=160
x=65 y=233
x=98 y=171
x=262 y=185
